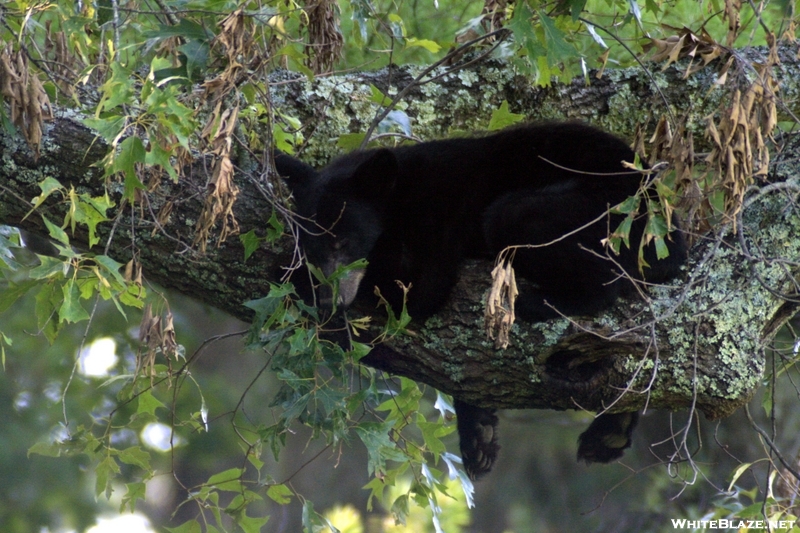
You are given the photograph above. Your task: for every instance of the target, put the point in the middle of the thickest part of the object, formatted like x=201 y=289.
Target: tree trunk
x=697 y=343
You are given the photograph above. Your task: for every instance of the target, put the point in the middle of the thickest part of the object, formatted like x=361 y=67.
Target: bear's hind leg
x=569 y=268
x=607 y=437
x=477 y=435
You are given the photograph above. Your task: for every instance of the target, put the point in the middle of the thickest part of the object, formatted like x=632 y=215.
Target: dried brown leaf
x=686 y=43
x=146 y=322
x=169 y=346
x=603 y=60
x=499 y=315
x=731 y=13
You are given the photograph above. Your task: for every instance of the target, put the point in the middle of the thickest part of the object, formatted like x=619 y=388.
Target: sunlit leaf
x=280 y=494
x=503 y=118
x=431 y=46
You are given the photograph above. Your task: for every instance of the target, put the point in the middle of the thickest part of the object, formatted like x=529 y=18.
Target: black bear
x=415 y=212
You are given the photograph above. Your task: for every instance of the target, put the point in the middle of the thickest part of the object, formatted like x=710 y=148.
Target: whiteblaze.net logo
x=723 y=523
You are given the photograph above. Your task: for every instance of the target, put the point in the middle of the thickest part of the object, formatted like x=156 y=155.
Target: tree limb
x=698 y=343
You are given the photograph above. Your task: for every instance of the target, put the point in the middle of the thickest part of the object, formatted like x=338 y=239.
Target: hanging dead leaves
x=732 y=8
x=235 y=39
x=62 y=64
x=499 y=310
x=737 y=131
x=156 y=335
x=324 y=46
x=222 y=191
x=22 y=90
x=740 y=153
x=700 y=47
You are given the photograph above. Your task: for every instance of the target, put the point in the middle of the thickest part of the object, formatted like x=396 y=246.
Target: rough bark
x=696 y=343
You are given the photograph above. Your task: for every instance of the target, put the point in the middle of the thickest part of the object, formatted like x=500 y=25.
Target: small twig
x=173 y=20
x=771 y=444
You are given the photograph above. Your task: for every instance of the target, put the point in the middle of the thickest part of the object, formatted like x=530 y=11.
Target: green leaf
x=48 y=187
x=158 y=156
x=431 y=433
x=503 y=118
x=380 y=447
x=400 y=508
x=47 y=300
x=186 y=29
x=280 y=494
x=88 y=211
x=628 y=206
x=656 y=226
x=56 y=232
x=767 y=398
x=101 y=204
x=522 y=28
x=192 y=526
x=13 y=291
x=358 y=350
x=131 y=151
x=558 y=49
x=575 y=8
x=71 y=309
x=662 y=250
x=109 y=128
x=111 y=266
x=313 y=522
x=431 y=46
x=196 y=53
x=275 y=228
x=49 y=267
x=251 y=524
x=147 y=404
x=105 y=471
x=331 y=400
x=7 y=258
x=48 y=449
x=281 y=139
x=4 y=341
x=117 y=90
x=136 y=456
x=134 y=296
x=250 y=241
x=230 y=480
x=350 y=141
x=135 y=492
x=87 y=287
x=652 y=6
x=397 y=24
x=297 y=58
x=378 y=97
x=741 y=469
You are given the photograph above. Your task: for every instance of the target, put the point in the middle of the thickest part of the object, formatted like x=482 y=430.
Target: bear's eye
x=339 y=244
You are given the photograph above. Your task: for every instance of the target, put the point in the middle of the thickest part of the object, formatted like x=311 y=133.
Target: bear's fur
x=416 y=212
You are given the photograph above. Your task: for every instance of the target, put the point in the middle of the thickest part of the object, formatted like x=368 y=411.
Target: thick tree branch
x=705 y=350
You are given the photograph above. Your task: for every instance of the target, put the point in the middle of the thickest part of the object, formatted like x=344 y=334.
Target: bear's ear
x=376 y=176
x=293 y=170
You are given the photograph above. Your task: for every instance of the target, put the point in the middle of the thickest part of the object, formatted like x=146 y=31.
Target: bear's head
x=341 y=209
